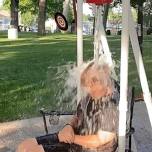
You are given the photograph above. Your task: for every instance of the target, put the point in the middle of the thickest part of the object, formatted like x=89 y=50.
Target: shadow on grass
x=24 y=65
x=23 y=73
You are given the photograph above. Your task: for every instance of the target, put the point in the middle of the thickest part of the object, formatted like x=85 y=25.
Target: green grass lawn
x=29 y=70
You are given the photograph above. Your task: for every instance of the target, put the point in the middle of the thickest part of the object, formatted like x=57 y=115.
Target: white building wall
x=4 y=23
x=50 y=25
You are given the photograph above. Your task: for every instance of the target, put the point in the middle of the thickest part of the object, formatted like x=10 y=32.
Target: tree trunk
x=150 y=19
x=66 y=8
x=94 y=20
x=105 y=15
x=75 y=15
x=42 y=17
x=14 y=13
x=140 y=23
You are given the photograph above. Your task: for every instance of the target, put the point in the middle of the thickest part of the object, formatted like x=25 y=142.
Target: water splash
x=62 y=83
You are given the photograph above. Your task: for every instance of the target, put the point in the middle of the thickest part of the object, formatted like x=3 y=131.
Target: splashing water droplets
x=96 y=113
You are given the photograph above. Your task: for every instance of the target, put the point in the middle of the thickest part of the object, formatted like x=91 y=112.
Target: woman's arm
x=67 y=133
x=74 y=122
x=94 y=141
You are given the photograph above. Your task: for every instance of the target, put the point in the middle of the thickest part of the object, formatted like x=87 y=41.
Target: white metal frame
x=79 y=42
x=130 y=31
x=100 y=41
x=140 y=66
x=124 y=75
x=100 y=37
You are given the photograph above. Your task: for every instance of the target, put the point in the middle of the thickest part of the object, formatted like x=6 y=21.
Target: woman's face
x=94 y=86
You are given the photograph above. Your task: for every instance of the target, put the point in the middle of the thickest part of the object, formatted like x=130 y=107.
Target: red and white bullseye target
x=61 y=21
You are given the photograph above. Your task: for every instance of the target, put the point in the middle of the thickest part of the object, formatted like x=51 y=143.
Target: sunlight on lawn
x=25 y=64
x=6 y=55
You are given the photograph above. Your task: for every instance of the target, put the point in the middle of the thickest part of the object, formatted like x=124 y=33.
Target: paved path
x=12 y=133
x=143 y=130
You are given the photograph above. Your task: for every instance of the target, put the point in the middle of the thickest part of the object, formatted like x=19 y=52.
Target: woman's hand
x=66 y=135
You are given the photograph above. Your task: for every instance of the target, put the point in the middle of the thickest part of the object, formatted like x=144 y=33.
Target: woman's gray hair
x=104 y=72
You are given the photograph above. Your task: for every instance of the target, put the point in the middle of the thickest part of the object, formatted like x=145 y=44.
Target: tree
x=147 y=9
x=115 y=18
x=33 y=6
x=105 y=15
x=139 y=5
x=28 y=19
x=140 y=22
x=54 y=6
x=14 y=13
x=70 y=15
x=28 y=6
x=24 y=6
x=42 y=17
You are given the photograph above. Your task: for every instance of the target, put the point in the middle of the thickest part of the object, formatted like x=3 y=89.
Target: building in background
x=50 y=25
x=87 y=28
x=4 y=20
x=1 y=3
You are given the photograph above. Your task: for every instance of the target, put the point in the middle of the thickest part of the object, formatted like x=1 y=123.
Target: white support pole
x=104 y=42
x=96 y=33
x=100 y=41
x=79 y=32
x=79 y=42
x=140 y=66
x=123 y=75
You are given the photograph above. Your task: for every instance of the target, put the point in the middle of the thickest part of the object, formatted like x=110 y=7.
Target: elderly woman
x=94 y=127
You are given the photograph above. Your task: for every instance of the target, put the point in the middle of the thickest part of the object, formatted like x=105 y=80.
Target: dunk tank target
x=61 y=21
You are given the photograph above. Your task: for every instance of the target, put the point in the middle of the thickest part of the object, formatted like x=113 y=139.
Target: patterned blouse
x=99 y=115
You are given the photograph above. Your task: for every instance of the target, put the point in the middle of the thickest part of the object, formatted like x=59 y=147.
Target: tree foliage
x=70 y=16
x=29 y=10
x=132 y=2
x=28 y=19
x=115 y=17
x=6 y=4
x=147 y=7
x=24 y=5
x=28 y=6
x=52 y=6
